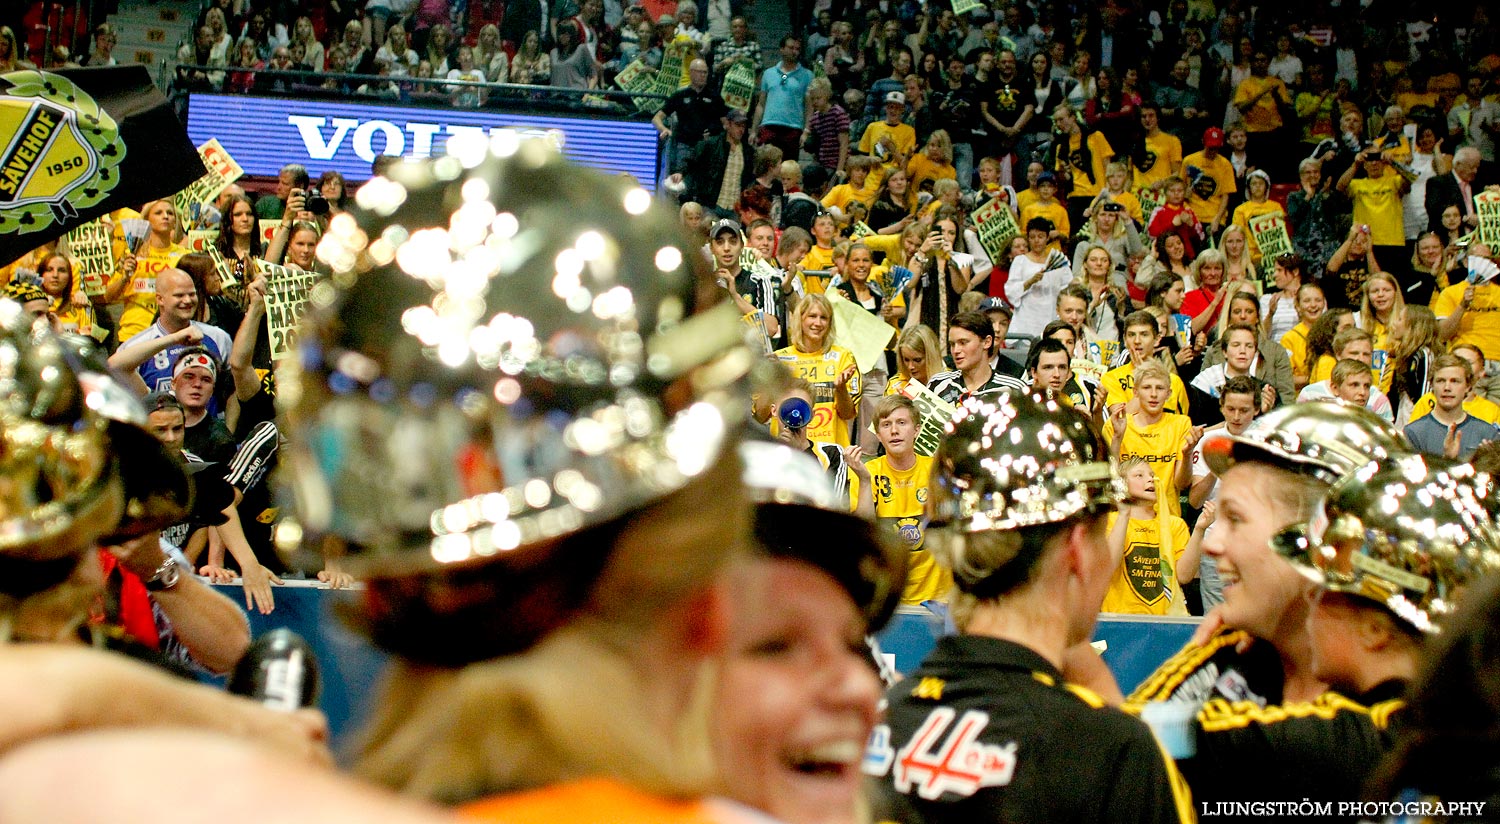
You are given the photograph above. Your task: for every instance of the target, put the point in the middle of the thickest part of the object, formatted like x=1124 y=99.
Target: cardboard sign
x=996 y=226
x=286 y=294
x=739 y=86
x=227 y=280
x=963 y=7
x=267 y=228
x=638 y=77
x=1274 y=241
x=200 y=240
x=222 y=171
x=1487 y=206
x=862 y=333
x=860 y=230
x=935 y=412
x=91 y=249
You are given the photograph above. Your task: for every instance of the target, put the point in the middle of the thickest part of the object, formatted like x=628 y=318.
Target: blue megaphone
x=794 y=413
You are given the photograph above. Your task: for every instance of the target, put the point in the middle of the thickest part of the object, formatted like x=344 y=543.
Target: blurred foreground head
x=78 y=469
x=514 y=409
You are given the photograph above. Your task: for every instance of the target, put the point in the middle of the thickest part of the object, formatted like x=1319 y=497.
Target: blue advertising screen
x=263 y=134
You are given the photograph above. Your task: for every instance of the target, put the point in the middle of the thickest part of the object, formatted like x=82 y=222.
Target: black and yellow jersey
x=1217 y=668
x=1322 y=750
x=987 y=731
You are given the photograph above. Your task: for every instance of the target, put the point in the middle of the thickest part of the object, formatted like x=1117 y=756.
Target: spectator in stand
x=1449 y=430
x=1168 y=255
x=1181 y=106
x=919 y=357
x=1474 y=403
x=1045 y=92
x=829 y=368
x=1035 y=279
x=972 y=344
x=200 y=53
x=1457 y=188
x=490 y=56
x=718 y=168
x=1004 y=106
x=1158 y=155
x=895 y=204
x=1377 y=207
x=1079 y=157
x=1158 y=555
x=1238 y=406
x=1349 y=268
x=246 y=62
x=942 y=276
x=1145 y=428
x=360 y=58
x=1313 y=214
x=105 y=39
x=780 y=100
x=467 y=97
x=439 y=48
x=313 y=54
x=531 y=65
x=1475 y=118
x=1257 y=203
x=740 y=47
x=1111 y=111
x=573 y=66
x=891 y=140
x=1469 y=313
x=827 y=135
x=1429 y=272
x=1319 y=106
x=397 y=51
x=933 y=163
x=697 y=112
x=1280 y=307
x=1204 y=302
x=1107 y=304
x=1210 y=179
x=687 y=26
x=1176 y=217
x=1260 y=99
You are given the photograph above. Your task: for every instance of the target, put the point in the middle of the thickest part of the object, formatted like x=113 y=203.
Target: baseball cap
x=722 y=226
x=896 y=97
x=996 y=305
x=1046 y=177
x=1213 y=136
x=737 y=116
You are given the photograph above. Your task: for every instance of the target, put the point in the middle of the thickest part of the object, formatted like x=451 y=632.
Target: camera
x=316 y=203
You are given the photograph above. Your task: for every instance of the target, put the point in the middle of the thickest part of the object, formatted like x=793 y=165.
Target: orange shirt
x=594 y=800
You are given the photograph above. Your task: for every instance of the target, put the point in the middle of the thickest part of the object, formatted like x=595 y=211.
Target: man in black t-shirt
x=698 y=110
x=1003 y=105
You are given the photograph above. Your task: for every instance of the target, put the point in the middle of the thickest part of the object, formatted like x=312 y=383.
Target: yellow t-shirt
x=921 y=169
x=1212 y=189
x=1119 y=387
x=1025 y=198
x=817 y=259
x=900 y=501
x=140 y=294
x=1264 y=116
x=1242 y=215
x=1160 y=445
x=1087 y=179
x=1054 y=211
x=1145 y=583
x=1323 y=369
x=1377 y=201
x=1295 y=344
x=75 y=320
x=843 y=194
x=1479 y=406
x=1132 y=205
x=1162 y=151
x=1480 y=325
x=904 y=135
x=822 y=370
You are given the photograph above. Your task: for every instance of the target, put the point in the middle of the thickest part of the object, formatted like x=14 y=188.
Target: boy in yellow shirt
x=1154 y=565
x=1142 y=334
x=893 y=490
x=1162 y=439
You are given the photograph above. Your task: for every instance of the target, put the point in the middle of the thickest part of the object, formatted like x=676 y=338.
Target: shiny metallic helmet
x=1410 y=535
x=1324 y=439
x=800 y=515
x=78 y=466
x=511 y=350
x=1012 y=462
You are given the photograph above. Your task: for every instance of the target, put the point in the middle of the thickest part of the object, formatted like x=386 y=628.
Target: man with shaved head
x=151 y=352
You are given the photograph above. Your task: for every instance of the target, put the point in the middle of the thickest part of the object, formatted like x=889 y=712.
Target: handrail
x=315 y=80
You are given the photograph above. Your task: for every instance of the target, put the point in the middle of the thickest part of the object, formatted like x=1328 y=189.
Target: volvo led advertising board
x=265 y=133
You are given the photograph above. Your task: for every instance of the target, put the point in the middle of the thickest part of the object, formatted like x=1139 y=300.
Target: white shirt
x=1285 y=317
x=1037 y=306
x=1379 y=402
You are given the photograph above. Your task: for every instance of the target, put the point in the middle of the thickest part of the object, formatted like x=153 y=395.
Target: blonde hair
x=795 y=321
x=1153 y=369
x=919 y=338
x=940 y=139
x=576 y=705
x=1244 y=263
x=1367 y=319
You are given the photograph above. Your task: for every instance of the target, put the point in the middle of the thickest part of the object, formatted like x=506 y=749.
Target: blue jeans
x=963 y=163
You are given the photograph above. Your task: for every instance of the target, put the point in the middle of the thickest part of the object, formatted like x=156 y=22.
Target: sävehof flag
x=77 y=143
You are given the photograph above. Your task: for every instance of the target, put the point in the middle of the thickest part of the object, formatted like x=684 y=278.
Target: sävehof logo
x=61 y=152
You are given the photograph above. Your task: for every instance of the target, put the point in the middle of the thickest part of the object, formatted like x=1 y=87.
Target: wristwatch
x=166 y=576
